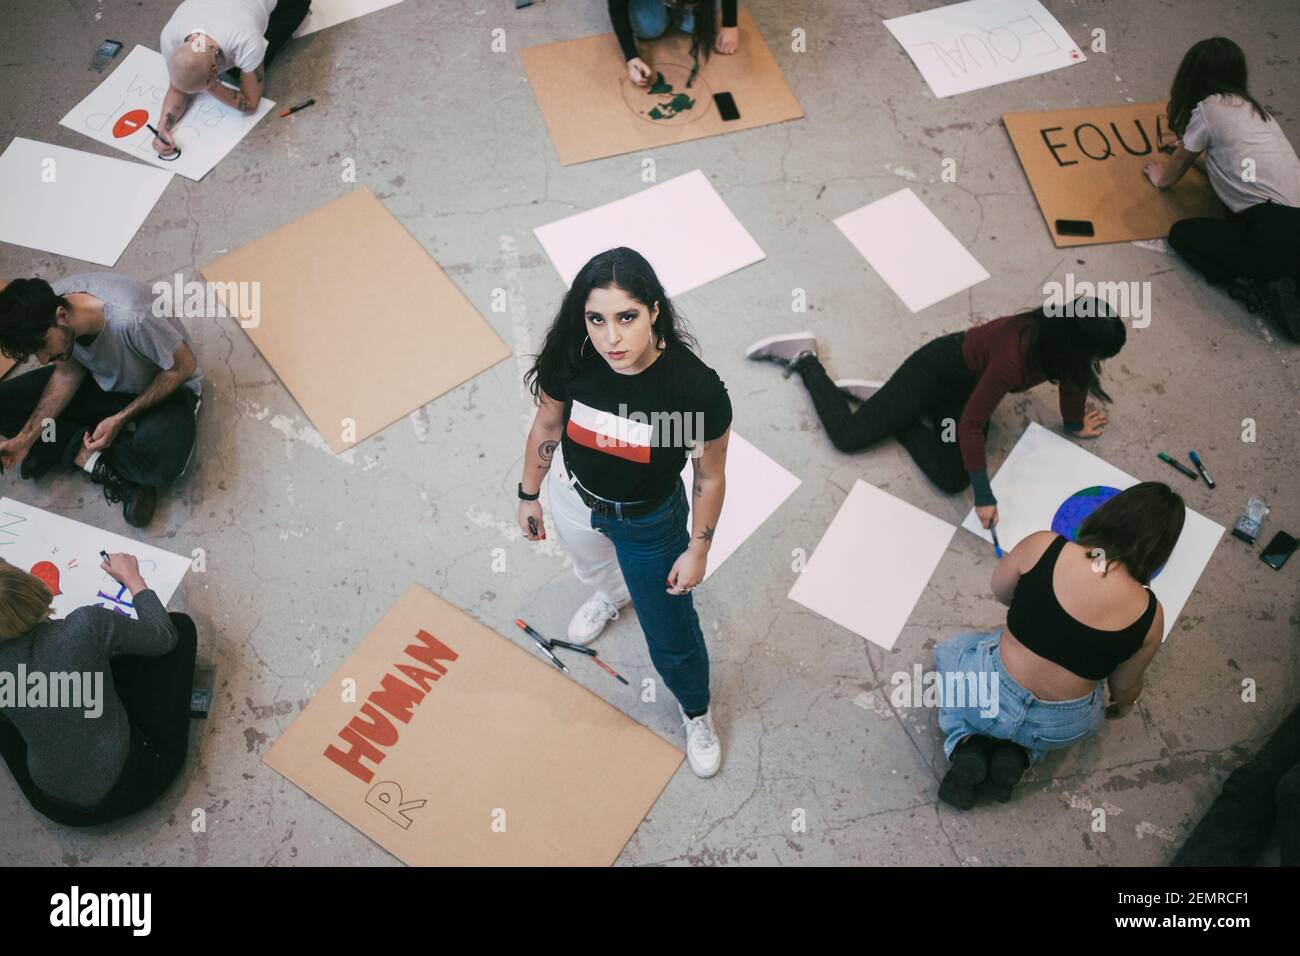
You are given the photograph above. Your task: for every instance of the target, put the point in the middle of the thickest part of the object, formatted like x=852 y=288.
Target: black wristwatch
x=524 y=497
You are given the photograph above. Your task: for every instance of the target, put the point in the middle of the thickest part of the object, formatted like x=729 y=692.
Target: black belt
x=613 y=509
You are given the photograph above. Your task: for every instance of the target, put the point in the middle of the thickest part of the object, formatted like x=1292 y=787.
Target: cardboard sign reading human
x=459 y=748
x=1086 y=165
x=593 y=109
x=361 y=325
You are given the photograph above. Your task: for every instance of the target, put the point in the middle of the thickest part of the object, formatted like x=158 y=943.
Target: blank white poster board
x=756 y=487
x=328 y=13
x=681 y=226
x=911 y=249
x=968 y=46
x=872 y=564
x=1049 y=482
x=64 y=554
x=116 y=113
x=72 y=203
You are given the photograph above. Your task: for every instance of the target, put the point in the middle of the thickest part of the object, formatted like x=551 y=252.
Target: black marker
x=1196 y=460
x=104 y=555
x=1183 y=468
x=532 y=526
x=573 y=647
x=544 y=644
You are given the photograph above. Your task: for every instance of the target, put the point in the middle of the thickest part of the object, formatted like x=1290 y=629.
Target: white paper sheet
x=65 y=555
x=681 y=226
x=1044 y=470
x=116 y=111
x=872 y=564
x=968 y=46
x=911 y=249
x=72 y=203
x=328 y=13
x=756 y=487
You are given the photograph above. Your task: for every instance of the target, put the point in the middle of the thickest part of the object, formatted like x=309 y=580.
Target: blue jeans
x=646 y=546
x=1037 y=725
x=651 y=18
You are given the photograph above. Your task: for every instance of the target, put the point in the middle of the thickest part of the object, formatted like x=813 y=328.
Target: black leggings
x=934 y=381
x=1256 y=796
x=285 y=18
x=1262 y=242
x=155 y=691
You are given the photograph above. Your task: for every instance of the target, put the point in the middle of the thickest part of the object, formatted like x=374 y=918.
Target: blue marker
x=997 y=548
x=1196 y=460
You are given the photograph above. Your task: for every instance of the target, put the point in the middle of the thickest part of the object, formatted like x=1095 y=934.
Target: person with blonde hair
x=106 y=754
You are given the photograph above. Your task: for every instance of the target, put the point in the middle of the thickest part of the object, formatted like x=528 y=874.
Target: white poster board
x=978 y=43
x=911 y=249
x=756 y=487
x=116 y=113
x=681 y=226
x=1039 y=485
x=65 y=555
x=72 y=203
x=328 y=13
x=872 y=564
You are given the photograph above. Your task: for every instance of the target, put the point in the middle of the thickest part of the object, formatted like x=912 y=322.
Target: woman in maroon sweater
x=957 y=380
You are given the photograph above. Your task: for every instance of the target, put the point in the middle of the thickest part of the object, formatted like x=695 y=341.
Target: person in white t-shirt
x=1255 y=172
x=207 y=42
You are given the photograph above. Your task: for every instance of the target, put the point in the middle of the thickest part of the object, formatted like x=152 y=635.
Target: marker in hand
x=176 y=149
x=997 y=548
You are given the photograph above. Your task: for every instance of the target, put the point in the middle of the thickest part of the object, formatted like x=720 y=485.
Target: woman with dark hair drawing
x=1079 y=613
x=623 y=401
x=1253 y=168
x=958 y=381
x=710 y=28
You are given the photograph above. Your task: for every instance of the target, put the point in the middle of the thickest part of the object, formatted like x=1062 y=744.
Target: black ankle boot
x=970 y=765
x=1006 y=767
x=138 y=501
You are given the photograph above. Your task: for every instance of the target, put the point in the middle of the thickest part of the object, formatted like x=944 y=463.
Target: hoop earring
x=583 y=346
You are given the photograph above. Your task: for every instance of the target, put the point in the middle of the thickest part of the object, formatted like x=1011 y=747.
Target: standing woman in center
x=622 y=402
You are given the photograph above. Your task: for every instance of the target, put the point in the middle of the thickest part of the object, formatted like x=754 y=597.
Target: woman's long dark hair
x=1138 y=528
x=1070 y=347
x=622 y=268
x=1211 y=66
x=706 y=26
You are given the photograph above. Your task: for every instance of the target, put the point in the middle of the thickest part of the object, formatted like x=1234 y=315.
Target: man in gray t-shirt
x=119 y=389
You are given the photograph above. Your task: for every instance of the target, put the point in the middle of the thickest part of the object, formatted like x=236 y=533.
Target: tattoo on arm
x=699 y=488
x=169 y=121
x=546 y=450
x=242 y=104
x=259 y=74
x=706 y=534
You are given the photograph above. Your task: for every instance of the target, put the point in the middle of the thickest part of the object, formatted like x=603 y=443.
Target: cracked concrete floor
x=307 y=550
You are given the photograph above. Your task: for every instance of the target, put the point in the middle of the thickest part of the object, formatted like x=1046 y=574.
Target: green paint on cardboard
x=660 y=85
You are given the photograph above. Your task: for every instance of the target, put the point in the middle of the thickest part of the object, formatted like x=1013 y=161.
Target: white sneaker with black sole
x=703 y=748
x=784 y=350
x=590 y=620
x=858 y=388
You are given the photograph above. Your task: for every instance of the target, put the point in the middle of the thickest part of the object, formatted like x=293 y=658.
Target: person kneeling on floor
x=118 y=394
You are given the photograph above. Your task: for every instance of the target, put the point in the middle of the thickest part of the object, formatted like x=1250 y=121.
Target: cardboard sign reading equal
x=358 y=321
x=593 y=110
x=1087 y=164
x=461 y=749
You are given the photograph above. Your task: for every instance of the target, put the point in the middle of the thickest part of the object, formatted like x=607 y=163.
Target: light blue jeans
x=1037 y=725
x=651 y=18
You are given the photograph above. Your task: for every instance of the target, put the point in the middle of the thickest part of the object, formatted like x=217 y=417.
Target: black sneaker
x=1282 y=304
x=970 y=766
x=34 y=467
x=138 y=501
x=1006 y=767
x=1246 y=291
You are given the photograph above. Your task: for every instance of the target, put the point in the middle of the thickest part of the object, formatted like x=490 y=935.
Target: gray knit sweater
x=71 y=756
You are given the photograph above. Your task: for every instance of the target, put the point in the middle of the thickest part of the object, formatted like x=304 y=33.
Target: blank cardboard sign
x=682 y=227
x=593 y=110
x=462 y=749
x=1086 y=164
x=361 y=325
x=872 y=564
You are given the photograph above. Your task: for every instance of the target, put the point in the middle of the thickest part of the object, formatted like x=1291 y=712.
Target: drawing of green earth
x=667 y=100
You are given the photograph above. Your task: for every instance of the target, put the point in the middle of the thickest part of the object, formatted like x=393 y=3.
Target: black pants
x=285 y=18
x=1262 y=242
x=156 y=694
x=1263 y=793
x=153 y=454
x=934 y=381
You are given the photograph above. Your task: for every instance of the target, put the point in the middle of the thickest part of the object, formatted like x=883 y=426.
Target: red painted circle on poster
x=48 y=574
x=128 y=123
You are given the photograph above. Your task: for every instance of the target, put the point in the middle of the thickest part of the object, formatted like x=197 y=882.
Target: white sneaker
x=783 y=349
x=590 y=619
x=858 y=388
x=703 y=748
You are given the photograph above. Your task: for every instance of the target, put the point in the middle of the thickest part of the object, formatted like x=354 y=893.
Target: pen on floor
x=1181 y=467
x=543 y=643
x=605 y=667
x=1196 y=460
x=293 y=109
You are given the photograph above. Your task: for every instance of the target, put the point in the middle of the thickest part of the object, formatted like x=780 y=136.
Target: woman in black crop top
x=1080 y=614
x=623 y=403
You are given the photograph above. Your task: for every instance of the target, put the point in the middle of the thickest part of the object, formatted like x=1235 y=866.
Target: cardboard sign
x=361 y=325
x=1050 y=483
x=118 y=111
x=64 y=554
x=980 y=43
x=44 y=187
x=592 y=109
x=462 y=749
x=1086 y=164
